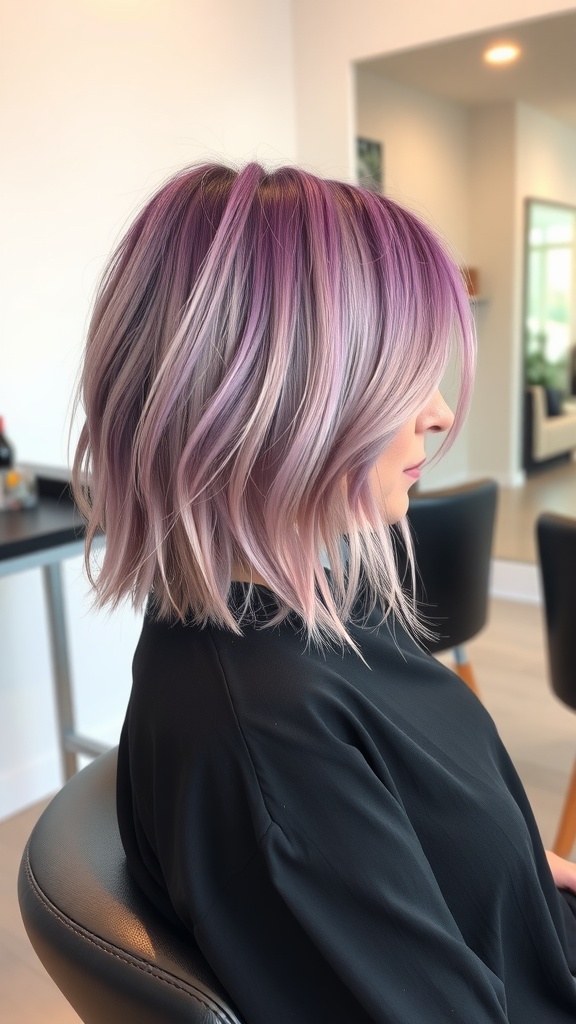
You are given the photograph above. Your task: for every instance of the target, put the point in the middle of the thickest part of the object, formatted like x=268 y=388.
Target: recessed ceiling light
x=503 y=53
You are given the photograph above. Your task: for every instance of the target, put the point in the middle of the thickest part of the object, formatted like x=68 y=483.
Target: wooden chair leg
x=463 y=668
x=567 y=828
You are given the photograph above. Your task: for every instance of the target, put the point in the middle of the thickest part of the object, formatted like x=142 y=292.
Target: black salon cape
x=348 y=842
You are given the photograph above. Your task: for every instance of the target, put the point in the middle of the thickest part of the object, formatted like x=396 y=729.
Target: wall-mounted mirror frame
x=549 y=333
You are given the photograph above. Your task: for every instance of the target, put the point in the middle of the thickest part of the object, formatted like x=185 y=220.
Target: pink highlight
x=257 y=341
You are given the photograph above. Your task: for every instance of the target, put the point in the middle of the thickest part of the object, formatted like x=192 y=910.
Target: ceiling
x=544 y=76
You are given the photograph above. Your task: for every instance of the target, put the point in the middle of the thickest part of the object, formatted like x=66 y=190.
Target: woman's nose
x=436 y=416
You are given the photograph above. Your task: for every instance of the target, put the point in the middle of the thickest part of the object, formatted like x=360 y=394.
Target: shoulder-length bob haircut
x=257 y=341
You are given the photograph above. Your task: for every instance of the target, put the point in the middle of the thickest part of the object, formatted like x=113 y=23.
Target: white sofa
x=551 y=435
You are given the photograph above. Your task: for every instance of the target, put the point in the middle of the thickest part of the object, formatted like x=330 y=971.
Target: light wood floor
x=509 y=660
x=551 y=490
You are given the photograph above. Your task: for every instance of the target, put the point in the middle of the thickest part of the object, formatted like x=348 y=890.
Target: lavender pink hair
x=257 y=341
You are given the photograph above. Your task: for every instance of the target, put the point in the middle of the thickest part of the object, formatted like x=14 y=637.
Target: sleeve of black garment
x=568 y=905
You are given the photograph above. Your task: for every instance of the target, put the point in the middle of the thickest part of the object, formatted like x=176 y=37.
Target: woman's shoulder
x=272 y=672
x=264 y=666
x=276 y=656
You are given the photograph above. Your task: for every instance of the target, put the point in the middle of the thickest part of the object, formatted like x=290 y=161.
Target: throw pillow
x=554 y=399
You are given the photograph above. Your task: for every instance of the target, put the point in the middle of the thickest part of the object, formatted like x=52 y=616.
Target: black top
x=348 y=842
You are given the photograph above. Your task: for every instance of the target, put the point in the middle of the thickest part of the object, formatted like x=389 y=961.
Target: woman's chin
x=396 y=508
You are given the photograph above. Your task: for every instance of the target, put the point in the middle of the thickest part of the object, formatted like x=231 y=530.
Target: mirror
x=465 y=145
x=549 y=307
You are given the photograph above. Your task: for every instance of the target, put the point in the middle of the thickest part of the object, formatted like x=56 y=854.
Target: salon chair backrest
x=453 y=531
x=556 y=536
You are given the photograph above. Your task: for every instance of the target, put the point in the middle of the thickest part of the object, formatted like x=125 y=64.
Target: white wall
x=426 y=152
x=330 y=36
x=492 y=424
x=102 y=100
x=546 y=164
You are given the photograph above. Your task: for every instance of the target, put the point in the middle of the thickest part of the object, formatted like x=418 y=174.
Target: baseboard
x=515 y=581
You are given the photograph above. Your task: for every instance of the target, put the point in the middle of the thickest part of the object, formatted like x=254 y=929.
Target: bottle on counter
x=18 y=488
x=6 y=449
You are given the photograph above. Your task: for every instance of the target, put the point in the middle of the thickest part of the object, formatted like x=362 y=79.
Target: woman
x=328 y=809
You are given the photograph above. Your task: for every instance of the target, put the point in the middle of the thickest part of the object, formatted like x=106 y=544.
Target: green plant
x=540 y=370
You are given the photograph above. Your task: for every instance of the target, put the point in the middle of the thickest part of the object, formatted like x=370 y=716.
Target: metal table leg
x=71 y=743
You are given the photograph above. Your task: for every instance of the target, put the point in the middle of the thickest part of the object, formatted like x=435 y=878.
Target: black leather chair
x=556 y=537
x=453 y=531
x=113 y=956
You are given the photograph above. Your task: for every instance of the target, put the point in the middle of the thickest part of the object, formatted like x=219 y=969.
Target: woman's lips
x=414 y=471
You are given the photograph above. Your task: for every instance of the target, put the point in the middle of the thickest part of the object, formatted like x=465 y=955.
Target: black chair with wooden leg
x=116 y=960
x=453 y=531
x=556 y=536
